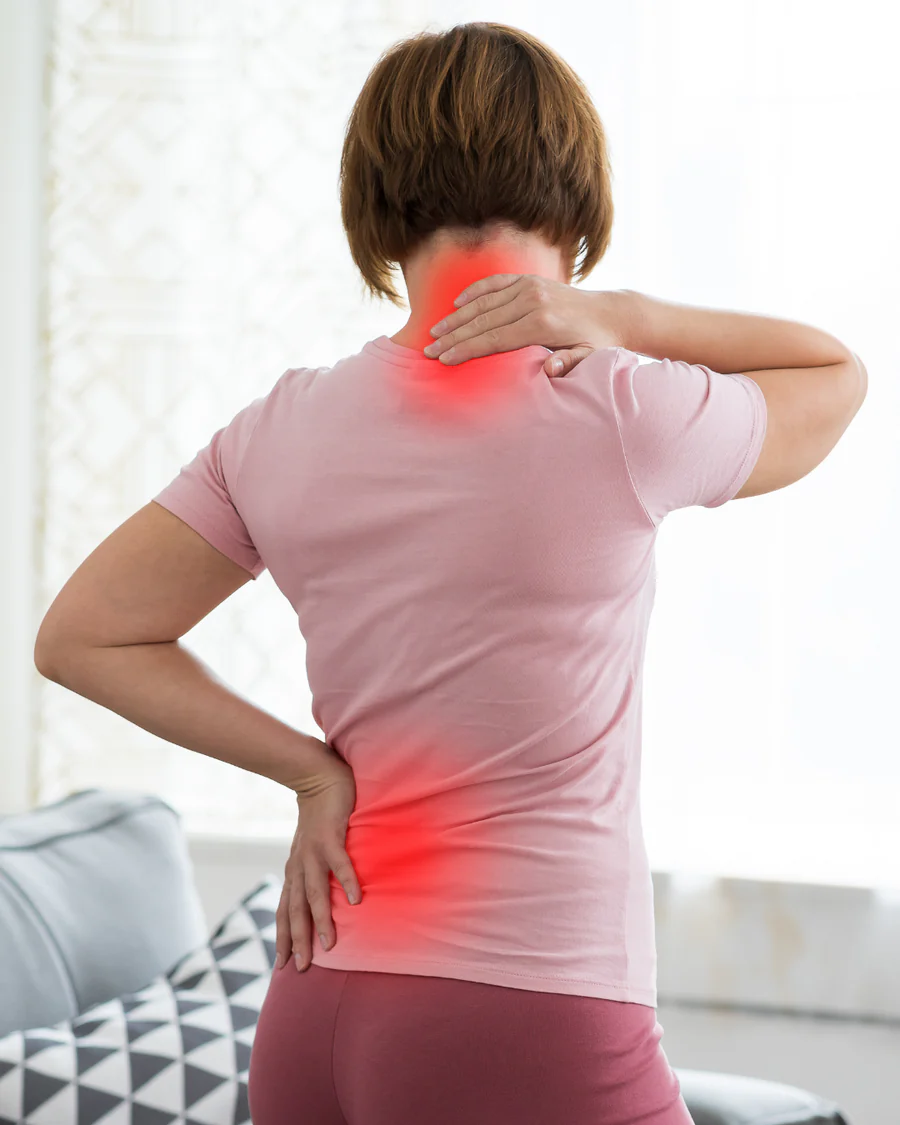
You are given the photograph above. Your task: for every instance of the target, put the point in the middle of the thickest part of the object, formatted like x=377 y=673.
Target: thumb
x=567 y=358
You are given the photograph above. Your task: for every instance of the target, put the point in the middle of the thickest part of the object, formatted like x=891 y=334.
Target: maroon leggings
x=335 y=1047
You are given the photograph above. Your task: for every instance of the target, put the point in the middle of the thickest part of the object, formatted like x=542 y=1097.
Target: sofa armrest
x=97 y=898
x=732 y=1099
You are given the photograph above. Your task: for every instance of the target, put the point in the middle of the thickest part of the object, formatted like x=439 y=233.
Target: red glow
x=482 y=381
x=415 y=843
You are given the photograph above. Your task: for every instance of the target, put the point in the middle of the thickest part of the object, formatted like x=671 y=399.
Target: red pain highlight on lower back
x=416 y=842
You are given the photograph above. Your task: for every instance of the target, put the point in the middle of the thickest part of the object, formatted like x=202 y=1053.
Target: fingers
x=486 y=285
x=318 y=868
x=485 y=298
x=557 y=364
x=283 y=939
x=346 y=876
x=318 y=896
x=292 y=922
x=301 y=925
x=502 y=328
x=305 y=905
x=566 y=360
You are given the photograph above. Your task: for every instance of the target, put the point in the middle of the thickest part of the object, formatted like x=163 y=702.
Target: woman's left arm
x=112 y=635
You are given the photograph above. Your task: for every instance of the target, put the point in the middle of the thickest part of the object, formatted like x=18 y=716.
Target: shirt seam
x=337 y=1012
x=233 y=492
x=250 y=436
x=631 y=480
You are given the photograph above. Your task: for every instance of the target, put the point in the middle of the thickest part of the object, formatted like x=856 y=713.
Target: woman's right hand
x=325 y=802
x=504 y=311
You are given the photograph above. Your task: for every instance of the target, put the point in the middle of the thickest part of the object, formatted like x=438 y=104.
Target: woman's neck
x=435 y=277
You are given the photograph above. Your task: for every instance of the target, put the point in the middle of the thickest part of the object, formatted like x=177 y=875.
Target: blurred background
x=170 y=243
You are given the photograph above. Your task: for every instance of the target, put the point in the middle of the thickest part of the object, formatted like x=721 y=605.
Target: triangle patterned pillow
x=177 y=1052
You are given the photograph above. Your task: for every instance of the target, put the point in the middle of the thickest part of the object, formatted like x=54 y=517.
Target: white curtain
x=195 y=252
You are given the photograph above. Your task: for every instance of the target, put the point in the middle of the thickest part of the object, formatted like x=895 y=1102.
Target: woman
x=473 y=574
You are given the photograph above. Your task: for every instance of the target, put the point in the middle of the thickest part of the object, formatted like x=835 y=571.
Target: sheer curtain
x=195 y=252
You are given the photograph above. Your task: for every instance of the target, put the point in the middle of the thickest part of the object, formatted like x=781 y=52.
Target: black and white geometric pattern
x=175 y=1053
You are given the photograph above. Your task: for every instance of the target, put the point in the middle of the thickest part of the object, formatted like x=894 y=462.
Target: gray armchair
x=97 y=898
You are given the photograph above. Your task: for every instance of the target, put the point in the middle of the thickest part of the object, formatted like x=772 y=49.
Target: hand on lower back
x=325 y=802
x=508 y=311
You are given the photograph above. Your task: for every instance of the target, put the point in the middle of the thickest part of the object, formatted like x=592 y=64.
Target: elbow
x=863 y=380
x=48 y=656
x=854 y=381
x=43 y=659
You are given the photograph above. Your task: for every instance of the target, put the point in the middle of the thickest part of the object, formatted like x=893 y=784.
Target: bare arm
x=813 y=384
x=112 y=635
x=728 y=342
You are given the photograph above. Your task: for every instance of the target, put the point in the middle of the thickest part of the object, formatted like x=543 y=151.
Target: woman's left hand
x=507 y=311
x=325 y=802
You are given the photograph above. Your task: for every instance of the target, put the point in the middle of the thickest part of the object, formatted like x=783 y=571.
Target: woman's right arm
x=812 y=383
x=728 y=342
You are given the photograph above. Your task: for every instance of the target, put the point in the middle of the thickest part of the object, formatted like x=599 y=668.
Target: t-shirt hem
x=754 y=447
x=601 y=990
x=206 y=527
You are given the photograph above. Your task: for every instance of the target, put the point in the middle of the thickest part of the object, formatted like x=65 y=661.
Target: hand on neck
x=439 y=272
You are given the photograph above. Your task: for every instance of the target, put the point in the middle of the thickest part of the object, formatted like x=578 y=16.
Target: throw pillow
x=177 y=1052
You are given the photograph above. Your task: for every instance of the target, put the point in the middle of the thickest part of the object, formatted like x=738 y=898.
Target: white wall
x=794 y=983
x=853 y=1063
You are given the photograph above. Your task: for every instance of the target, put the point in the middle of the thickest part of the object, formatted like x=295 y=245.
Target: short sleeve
x=690 y=435
x=204 y=494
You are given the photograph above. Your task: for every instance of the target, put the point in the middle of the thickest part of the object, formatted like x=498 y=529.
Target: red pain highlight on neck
x=452 y=390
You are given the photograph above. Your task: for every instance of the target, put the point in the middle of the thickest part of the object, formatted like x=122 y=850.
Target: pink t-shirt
x=475 y=598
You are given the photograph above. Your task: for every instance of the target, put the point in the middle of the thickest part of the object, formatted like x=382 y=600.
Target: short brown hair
x=479 y=124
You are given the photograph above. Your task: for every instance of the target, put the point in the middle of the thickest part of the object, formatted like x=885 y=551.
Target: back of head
x=461 y=129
